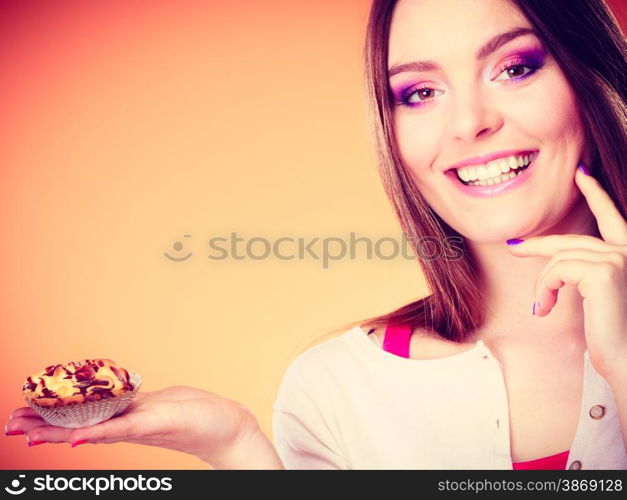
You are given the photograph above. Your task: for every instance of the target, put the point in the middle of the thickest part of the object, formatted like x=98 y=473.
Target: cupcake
x=80 y=394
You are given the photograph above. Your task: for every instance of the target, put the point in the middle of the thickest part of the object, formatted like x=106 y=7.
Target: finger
x=37 y=429
x=611 y=223
x=580 y=273
x=121 y=428
x=25 y=420
x=547 y=290
x=23 y=411
x=21 y=425
x=49 y=433
x=547 y=246
x=612 y=257
x=110 y=431
x=545 y=297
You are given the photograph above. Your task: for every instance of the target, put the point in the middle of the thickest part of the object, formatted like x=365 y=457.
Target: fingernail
x=33 y=443
x=76 y=443
x=13 y=433
x=582 y=167
x=514 y=241
x=536 y=305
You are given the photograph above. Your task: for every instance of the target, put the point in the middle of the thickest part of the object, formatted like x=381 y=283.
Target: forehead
x=425 y=28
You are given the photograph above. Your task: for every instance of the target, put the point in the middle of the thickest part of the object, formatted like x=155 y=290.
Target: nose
x=474 y=117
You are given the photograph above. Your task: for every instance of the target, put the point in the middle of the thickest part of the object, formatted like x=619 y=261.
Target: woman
x=482 y=113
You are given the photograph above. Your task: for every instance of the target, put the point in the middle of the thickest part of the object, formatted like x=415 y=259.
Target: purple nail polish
x=582 y=167
x=514 y=241
x=533 y=311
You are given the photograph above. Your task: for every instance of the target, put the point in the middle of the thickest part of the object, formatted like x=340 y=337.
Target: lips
x=494 y=189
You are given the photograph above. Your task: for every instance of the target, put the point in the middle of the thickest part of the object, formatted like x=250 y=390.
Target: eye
x=518 y=70
x=417 y=97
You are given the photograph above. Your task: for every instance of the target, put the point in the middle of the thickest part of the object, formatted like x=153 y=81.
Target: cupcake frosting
x=77 y=382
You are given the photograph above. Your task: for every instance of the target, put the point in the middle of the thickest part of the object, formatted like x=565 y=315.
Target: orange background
x=126 y=125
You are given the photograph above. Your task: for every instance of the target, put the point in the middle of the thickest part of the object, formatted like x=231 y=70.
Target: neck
x=508 y=284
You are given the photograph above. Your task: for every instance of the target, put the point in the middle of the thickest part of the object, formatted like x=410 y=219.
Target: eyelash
x=534 y=66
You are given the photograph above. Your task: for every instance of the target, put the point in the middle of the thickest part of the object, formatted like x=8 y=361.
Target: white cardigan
x=347 y=404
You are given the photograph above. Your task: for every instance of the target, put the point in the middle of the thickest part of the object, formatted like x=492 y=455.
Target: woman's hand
x=223 y=433
x=598 y=268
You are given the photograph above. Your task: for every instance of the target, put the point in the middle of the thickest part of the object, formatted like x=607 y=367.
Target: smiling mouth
x=496 y=171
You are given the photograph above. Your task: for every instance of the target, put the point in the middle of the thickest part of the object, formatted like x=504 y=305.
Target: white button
x=576 y=465
x=597 y=411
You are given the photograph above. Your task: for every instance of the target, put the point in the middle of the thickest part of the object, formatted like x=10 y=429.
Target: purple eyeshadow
x=402 y=92
x=533 y=59
x=533 y=55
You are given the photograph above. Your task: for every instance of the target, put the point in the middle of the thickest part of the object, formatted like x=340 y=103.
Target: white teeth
x=463 y=175
x=482 y=172
x=497 y=169
x=490 y=181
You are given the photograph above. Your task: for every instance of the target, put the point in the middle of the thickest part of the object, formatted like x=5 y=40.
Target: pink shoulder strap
x=396 y=339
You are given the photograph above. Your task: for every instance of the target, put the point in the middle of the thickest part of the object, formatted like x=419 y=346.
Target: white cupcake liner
x=90 y=413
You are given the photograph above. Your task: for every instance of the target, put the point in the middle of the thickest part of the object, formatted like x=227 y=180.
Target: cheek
x=551 y=113
x=418 y=145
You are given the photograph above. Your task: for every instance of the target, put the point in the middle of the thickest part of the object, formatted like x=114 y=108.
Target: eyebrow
x=490 y=46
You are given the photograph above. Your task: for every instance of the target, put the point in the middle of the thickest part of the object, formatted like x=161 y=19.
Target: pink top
x=396 y=341
x=552 y=462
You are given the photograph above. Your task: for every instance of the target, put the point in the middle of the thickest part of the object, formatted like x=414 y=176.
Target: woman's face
x=464 y=93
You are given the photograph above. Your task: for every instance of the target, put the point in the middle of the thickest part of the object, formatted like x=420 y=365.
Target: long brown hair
x=585 y=40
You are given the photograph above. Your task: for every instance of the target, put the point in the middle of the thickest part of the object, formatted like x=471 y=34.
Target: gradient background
x=125 y=125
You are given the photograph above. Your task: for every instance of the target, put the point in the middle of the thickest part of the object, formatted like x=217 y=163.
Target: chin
x=493 y=234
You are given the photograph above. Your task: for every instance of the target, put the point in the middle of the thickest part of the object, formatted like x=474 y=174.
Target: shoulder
x=325 y=355
x=323 y=370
